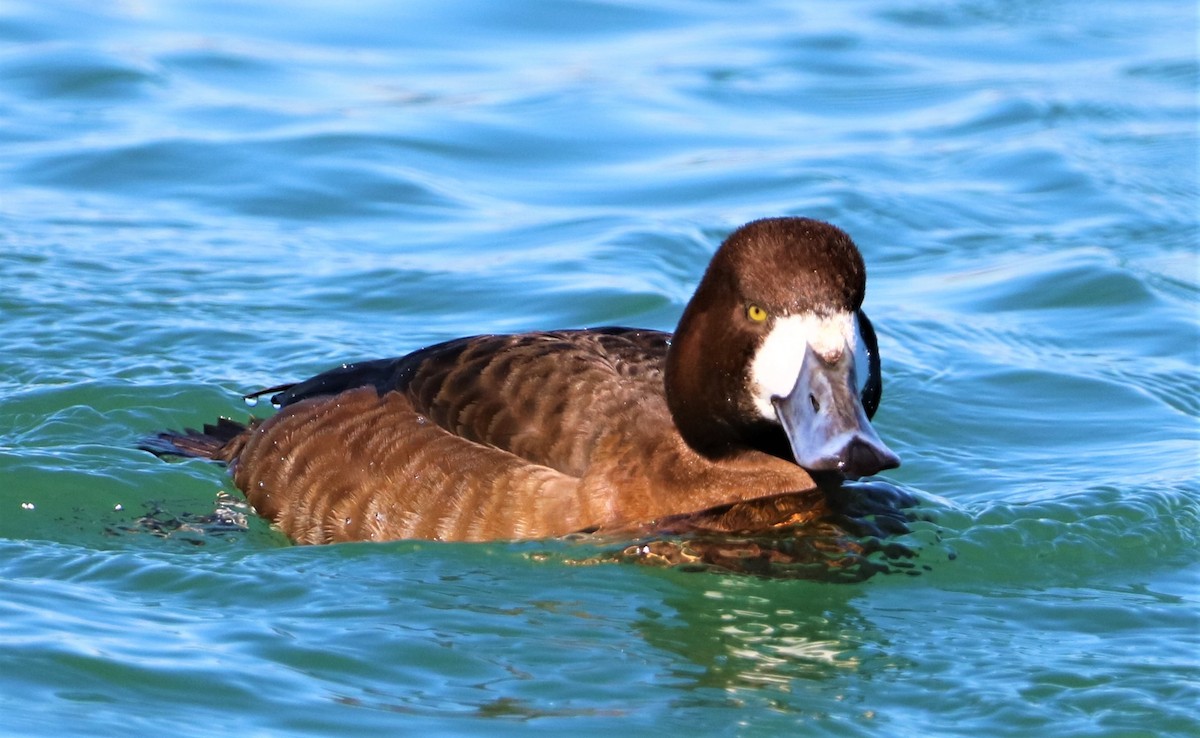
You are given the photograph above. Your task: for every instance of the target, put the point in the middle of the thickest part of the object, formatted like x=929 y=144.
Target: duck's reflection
x=730 y=636
x=856 y=539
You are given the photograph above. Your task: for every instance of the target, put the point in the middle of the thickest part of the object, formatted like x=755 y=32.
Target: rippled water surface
x=198 y=199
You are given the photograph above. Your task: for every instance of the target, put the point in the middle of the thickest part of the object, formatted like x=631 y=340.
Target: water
x=198 y=199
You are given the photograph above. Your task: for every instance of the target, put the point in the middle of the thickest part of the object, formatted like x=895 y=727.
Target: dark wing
x=383 y=374
x=545 y=397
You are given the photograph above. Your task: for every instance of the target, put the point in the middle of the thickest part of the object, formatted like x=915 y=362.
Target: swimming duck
x=747 y=416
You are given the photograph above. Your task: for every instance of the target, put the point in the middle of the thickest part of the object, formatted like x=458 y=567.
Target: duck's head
x=774 y=353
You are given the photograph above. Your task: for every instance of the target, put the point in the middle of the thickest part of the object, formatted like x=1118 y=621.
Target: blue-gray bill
x=825 y=422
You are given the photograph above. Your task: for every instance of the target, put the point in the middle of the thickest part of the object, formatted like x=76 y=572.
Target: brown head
x=774 y=353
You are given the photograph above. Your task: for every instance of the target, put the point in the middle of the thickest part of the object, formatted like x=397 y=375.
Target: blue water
x=198 y=199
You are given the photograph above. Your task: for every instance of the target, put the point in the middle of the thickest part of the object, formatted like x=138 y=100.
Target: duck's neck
x=699 y=387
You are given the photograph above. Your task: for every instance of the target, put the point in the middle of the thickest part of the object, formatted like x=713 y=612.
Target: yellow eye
x=755 y=313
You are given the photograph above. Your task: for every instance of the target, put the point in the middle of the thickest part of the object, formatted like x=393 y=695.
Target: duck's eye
x=755 y=313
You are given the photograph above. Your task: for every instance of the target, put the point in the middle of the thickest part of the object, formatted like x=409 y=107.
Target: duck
x=749 y=416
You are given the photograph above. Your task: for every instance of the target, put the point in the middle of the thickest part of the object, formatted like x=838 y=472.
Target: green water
x=201 y=199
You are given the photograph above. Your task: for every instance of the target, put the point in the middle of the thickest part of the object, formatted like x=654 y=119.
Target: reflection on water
x=732 y=636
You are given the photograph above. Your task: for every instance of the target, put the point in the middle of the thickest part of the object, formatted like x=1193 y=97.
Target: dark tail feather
x=203 y=444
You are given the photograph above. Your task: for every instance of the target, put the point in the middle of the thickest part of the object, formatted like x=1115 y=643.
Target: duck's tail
x=219 y=442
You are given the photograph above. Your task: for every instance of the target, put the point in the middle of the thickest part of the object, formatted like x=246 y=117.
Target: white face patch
x=774 y=369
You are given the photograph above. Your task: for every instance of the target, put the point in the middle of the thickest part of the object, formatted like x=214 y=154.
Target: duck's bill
x=824 y=420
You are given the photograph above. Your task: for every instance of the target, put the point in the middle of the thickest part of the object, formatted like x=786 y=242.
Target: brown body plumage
x=545 y=434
